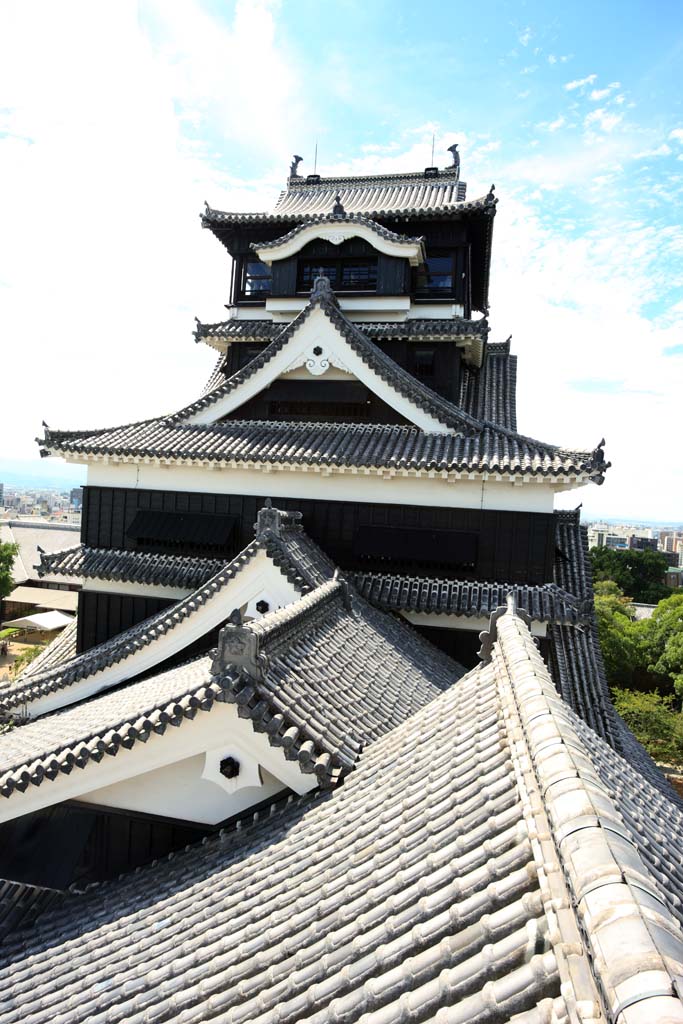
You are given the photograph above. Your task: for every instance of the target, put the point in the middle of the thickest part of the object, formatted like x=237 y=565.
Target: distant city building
x=76 y=497
x=642 y=543
x=674 y=577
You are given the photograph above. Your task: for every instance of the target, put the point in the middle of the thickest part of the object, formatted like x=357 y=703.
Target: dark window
x=321 y=412
x=423 y=363
x=415 y=548
x=436 y=277
x=196 y=532
x=345 y=275
x=256 y=279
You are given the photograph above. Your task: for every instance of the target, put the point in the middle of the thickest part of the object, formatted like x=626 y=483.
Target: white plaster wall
x=136 y=589
x=370 y=487
x=221 y=728
x=179 y=791
x=474 y=624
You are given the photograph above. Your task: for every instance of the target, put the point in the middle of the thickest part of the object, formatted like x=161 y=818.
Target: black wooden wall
x=509 y=546
x=74 y=843
x=437 y=364
x=101 y=616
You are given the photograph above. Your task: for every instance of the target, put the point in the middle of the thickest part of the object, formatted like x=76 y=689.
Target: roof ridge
x=606 y=876
x=244 y=645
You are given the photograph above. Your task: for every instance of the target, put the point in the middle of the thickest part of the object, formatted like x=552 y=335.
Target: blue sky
x=118 y=119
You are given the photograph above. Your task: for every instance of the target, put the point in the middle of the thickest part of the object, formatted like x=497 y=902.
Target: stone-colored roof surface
x=408 y=196
x=121 y=646
x=476 y=446
x=29 y=536
x=491 y=393
x=545 y=603
x=61 y=649
x=324 y=299
x=325 y=676
x=473 y=867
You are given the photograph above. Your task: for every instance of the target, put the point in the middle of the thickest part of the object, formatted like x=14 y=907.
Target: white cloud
x=525 y=36
x=558 y=123
x=602 y=119
x=103 y=263
x=552 y=59
x=579 y=83
x=662 y=150
x=677 y=134
x=601 y=94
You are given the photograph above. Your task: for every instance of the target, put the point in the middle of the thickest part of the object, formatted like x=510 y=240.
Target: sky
x=119 y=119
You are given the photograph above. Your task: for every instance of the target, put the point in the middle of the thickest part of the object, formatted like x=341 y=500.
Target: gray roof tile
x=130 y=566
x=321 y=445
x=445 y=880
x=323 y=298
x=339 y=218
x=478 y=446
x=545 y=603
x=417 y=329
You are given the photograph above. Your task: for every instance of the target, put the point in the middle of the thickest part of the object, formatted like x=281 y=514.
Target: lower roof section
x=545 y=603
x=475 y=866
x=332 y=447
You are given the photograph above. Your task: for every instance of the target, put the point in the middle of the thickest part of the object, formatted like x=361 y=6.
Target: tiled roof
x=417 y=329
x=490 y=393
x=489 y=449
x=278 y=533
x=546 y=603
x=326 y=675
x=341 y=219
x=131 y=566
x=405 y=196
x=322 y=678
x=323 y=298
x=399 y=449
x=474 y=867
x=61 y=649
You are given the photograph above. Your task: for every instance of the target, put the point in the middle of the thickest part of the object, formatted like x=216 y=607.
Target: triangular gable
x=278 y=567
x=321 y=337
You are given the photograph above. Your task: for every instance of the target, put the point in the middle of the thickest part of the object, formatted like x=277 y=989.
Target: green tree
x=654 y=722
x=638 y=573
x=24 y=659
x=661 y=643
x=616 y=632
x=8 y=553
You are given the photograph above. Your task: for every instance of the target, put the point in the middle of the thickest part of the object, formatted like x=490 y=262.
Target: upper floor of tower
x=391 y=245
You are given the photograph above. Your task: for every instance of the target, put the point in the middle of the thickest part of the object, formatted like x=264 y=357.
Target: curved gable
x=338 y=229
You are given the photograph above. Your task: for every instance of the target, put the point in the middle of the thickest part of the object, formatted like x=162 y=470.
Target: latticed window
x=345 y=275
